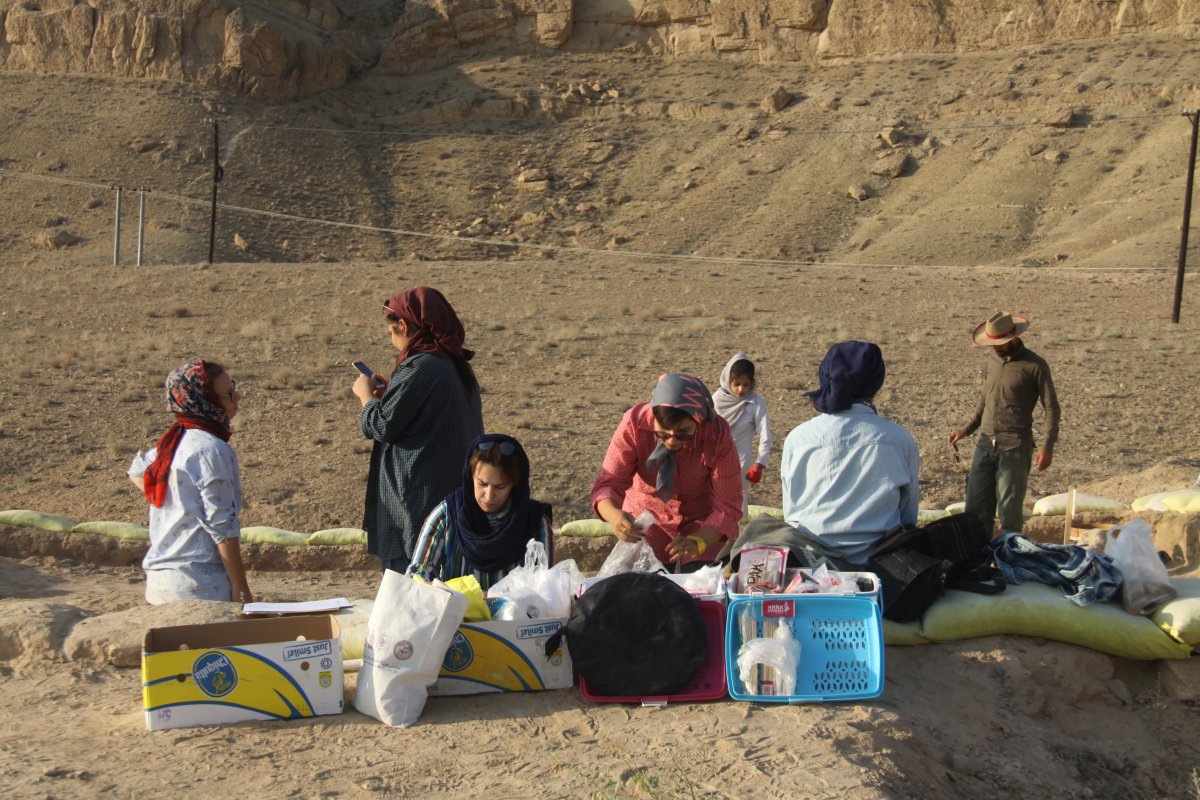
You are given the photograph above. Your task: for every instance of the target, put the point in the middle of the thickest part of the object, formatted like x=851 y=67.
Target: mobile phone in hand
x=363 y=368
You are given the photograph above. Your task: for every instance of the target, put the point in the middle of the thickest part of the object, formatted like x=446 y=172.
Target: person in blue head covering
x=849 y=475
x=482 y=528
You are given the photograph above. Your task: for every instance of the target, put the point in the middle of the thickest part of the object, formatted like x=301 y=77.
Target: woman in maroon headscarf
x=422 y=422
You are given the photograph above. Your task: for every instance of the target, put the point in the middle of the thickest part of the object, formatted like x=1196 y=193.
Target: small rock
x=578 y=182
x=53 y=222
x=1120 y=691
x=485 y=187
x=950 y=97
x=963 y=764
x=689 y=184
x=778 y=133
x=95 y=202
x=777 y=100
x=891 y=165
x=535 y=186
x=144 y=145
x=533 y=176
x=858 y=191
x=241 y=244
x=602 y=154
x=893 y=137
x=1035 y=148
x=832 y=104
x=1055 y=156
x=1061 y=119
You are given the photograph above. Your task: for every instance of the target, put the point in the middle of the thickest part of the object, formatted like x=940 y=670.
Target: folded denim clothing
x=1083 y=576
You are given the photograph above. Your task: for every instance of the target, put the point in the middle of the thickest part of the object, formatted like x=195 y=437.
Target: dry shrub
x=256 y=328
x=301 y=329
x=55 y=239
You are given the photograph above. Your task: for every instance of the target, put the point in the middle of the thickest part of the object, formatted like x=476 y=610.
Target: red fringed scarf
x=158 y=475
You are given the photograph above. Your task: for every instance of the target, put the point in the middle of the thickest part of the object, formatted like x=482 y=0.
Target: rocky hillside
x=279 y=50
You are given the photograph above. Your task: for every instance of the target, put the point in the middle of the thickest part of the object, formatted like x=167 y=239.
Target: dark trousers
x=997 y=482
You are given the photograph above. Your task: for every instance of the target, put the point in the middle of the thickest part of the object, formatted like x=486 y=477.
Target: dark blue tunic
x=422 y=427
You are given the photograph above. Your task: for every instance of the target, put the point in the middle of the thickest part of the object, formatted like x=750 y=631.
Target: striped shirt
x=438 y=555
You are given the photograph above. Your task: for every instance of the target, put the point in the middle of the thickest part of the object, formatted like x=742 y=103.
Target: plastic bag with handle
x=1147 y=585
x=536 y=590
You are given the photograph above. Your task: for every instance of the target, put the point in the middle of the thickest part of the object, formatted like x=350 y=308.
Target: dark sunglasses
x=679 y=437
x=506 y=448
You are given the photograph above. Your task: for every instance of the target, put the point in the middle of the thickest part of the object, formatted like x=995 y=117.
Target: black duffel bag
x=916 y=565
x=635 y=635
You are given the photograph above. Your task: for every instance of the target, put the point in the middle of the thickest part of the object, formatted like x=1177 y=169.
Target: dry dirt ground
x=1082 y=242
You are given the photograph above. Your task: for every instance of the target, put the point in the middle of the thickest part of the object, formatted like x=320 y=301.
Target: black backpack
x=635 y=635
x=916 y=565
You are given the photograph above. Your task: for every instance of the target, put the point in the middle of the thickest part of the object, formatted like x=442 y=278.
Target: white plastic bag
x=630 y=557
x=535 y=590
x=410 y=629
x=779 y=655
x=1147 y=585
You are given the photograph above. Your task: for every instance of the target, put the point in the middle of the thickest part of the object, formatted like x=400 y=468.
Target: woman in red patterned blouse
x=675 y=458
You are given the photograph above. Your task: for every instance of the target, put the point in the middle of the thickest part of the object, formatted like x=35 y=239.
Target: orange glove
x=754 y=475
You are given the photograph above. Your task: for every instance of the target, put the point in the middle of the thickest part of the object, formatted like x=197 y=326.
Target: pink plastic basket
x=709 y=683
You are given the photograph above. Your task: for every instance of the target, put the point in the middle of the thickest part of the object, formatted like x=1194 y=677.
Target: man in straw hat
x=1017 y=378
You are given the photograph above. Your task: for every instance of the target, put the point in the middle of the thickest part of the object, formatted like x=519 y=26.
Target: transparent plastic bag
x=1147 y=585
x=778 y=656
x=630 y=557
x=535 y=590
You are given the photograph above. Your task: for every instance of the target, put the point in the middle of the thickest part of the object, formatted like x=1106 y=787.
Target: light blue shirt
x=849 y=478
x=203 y=503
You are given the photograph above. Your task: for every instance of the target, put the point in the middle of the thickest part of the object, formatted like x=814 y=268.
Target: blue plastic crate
x=841 y=645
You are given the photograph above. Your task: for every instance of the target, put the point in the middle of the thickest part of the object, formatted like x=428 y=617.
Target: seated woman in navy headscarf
x=849 y=475
x=482 y=528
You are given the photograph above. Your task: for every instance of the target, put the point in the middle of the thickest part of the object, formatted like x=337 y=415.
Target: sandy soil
x=566 y=343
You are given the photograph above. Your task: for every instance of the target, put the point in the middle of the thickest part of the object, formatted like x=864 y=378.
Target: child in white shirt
x=746 y=412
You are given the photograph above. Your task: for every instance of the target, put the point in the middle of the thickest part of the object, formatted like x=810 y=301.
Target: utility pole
x=218 y=173
x=117 y=229
x=141 y=247
x=1194 y=117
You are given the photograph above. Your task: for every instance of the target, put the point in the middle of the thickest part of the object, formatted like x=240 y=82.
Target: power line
x=575 y=249
x=802 y=131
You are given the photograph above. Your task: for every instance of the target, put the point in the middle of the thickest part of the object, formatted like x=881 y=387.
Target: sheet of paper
x=307 y=607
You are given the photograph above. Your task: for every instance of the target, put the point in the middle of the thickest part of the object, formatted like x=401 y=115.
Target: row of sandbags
x=127 y=531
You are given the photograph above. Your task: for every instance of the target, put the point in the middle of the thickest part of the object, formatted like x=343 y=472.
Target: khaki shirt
x=1011 y=390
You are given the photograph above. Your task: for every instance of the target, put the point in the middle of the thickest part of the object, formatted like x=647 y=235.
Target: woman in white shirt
x=191 y=481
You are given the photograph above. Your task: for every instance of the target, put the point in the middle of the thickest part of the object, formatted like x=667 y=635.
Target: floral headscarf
x=195 y=404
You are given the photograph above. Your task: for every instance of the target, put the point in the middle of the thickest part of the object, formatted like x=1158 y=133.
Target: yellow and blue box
x=504 y=656
x=261 y=669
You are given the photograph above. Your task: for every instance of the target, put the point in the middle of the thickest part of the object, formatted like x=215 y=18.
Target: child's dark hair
x=743 y=368
x=670 y=418
x=510 y=465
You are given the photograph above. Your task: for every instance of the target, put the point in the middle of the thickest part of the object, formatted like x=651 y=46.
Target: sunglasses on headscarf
x=506 y=448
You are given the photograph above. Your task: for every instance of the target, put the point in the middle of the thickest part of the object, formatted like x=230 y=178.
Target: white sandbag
x=125 y=531
x=1150 y=502
x=265 y=534
x=1055 y=505
x=1181 y=501
x=754 y=512
x=23 y=518
x=586 y=528
x=959 y=508
x=337 y=536
x=928 y=515
x=408 y=634
x=352 y=622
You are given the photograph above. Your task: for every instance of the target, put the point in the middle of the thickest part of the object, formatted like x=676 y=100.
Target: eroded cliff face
x=284 y=49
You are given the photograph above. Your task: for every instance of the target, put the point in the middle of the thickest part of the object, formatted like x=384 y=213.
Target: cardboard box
x=262 y=669
x=500 y=656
